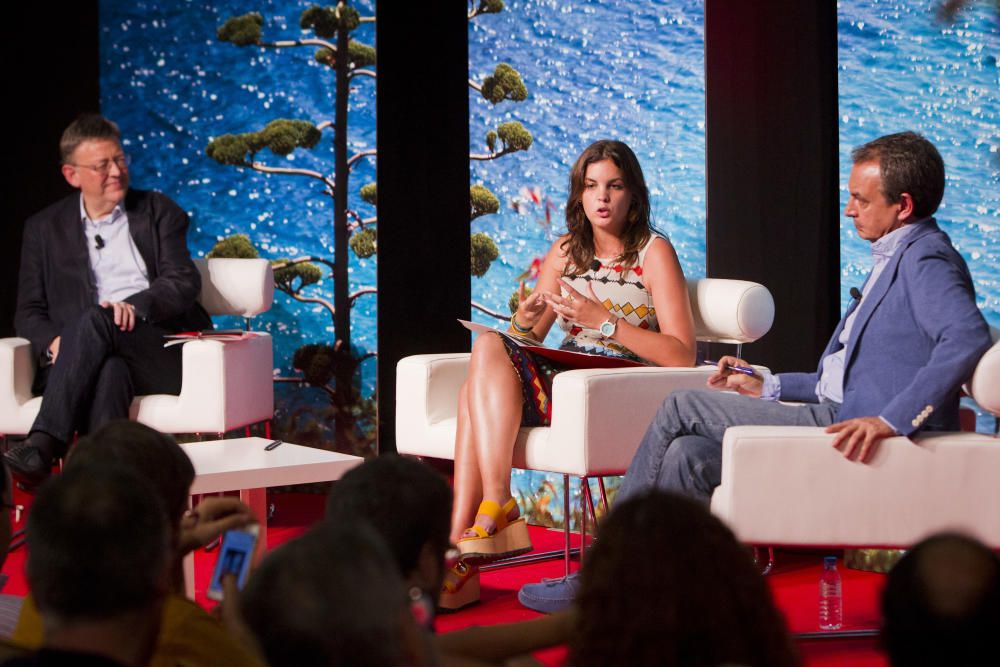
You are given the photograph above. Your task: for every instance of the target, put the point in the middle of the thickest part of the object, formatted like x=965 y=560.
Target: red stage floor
x=793 y=581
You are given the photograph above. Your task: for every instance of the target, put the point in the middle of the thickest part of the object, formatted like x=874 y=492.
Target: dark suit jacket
x=918 y=336
x=56 y=283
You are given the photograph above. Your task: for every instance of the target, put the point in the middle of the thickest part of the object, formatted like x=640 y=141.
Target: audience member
x=188 y=634
x=941 y=605
x=98 y=566
x=333 y=597
x=10 y=605
x=409 y=505
x=667 y=584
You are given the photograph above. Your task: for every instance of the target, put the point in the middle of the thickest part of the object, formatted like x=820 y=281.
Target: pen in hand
x=746 y=370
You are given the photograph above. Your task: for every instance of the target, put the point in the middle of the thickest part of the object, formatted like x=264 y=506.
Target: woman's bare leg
x=494 y=400
x=468 y=486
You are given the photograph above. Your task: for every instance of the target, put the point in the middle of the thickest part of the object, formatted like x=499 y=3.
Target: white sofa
x=788 y=486
x=598 y=415
x=225 y=385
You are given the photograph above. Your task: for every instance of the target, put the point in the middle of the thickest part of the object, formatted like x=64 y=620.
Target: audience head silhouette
x=667 y=583
x=153 y=456
x=332 y=597
x=409 y=505
x=98 y=561
x=941 y=604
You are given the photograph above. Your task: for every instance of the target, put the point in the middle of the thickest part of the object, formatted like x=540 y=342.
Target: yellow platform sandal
x=509 y=539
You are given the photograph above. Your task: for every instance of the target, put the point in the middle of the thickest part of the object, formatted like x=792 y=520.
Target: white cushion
x=730 y=311
x=243 y=287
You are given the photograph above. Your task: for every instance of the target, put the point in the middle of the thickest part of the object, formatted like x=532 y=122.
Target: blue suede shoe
x=550 y=595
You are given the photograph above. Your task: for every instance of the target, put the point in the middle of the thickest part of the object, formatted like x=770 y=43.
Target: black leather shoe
x=29 y=464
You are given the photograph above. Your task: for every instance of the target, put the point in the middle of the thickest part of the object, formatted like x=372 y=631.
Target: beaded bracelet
x=517 y=327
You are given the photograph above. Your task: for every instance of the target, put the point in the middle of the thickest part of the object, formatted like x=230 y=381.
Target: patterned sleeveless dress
x=621 y=290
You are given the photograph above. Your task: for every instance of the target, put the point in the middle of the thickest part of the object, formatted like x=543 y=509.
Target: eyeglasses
x=103 y=168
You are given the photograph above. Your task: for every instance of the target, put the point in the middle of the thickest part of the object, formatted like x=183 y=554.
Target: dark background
x=772 y=201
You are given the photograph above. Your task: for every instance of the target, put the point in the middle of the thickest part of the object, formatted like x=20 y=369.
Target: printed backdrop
x=614 y=68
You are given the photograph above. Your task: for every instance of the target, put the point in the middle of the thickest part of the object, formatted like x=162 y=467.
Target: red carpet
x=793 y=581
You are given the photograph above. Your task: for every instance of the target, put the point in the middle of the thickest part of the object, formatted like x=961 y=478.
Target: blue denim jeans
x=682 y=448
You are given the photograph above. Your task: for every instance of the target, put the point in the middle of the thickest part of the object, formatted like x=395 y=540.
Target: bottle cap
x=829 y=560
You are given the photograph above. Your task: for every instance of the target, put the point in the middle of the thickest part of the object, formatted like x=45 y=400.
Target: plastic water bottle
x=831 y=600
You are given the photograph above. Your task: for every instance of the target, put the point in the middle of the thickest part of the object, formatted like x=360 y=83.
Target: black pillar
x=423 y=189
x=772 y=165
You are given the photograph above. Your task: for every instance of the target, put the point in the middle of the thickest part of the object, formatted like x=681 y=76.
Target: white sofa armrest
x=788 y=485
x=17 y=373
x=427 y=387
x=600 y=415
x=226 y=384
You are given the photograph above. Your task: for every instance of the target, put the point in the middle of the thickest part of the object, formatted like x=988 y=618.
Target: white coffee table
x=242 y=464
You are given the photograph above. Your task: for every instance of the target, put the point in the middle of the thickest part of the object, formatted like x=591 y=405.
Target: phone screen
x=235 y=555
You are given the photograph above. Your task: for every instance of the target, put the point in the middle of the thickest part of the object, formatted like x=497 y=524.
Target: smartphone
x=235 y=556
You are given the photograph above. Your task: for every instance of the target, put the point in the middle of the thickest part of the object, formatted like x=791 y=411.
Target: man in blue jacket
x=105 y=273
x=893 y=366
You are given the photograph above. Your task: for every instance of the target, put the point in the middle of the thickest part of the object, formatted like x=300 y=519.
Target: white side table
x=243 y=464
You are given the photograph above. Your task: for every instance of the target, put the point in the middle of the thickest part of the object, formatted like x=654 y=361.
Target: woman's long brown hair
x=579 y=246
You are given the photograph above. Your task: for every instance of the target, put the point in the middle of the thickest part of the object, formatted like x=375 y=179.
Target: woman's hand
x=530 y=307
x=585 y=310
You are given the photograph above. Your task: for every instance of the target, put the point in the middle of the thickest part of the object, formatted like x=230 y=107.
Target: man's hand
x=726 y=378
x=54 y=349
x=213 y=516
x=867 y=432
x=124 y=314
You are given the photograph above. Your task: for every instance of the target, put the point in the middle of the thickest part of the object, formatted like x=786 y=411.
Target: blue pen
x=739 y=369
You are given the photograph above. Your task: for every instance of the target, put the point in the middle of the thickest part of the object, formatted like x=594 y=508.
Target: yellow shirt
x=189 y=637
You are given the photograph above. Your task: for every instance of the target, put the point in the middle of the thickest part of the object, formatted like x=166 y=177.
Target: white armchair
x=225 y=385
x=786 y=485
x=598 y=415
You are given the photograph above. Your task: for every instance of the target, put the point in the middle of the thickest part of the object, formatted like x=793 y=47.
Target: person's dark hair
x=907 y=163
x=667 y=583
x=155 y=457
x=97 y=544
x=579 y=245
x=332 y=597
x=86 y=127
x=941 y=604
x=407 y=502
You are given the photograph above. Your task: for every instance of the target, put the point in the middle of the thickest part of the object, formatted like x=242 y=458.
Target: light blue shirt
x=118 y=268
x=830 y=386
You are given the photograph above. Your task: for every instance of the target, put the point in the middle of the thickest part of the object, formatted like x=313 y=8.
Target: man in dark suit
x=104 y=275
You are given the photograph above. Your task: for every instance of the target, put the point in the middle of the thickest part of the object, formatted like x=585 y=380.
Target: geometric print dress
x=621 y=291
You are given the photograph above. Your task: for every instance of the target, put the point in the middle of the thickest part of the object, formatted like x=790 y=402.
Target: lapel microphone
x=99 y=242
x=855 y=292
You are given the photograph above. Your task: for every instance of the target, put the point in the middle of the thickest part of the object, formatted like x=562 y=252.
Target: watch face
x=607 y=328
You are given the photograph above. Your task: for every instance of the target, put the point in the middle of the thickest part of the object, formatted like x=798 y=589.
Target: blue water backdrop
x=172 y=87
x=627 y=70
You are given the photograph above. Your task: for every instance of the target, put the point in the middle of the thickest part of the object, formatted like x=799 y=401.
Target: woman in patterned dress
x=617 y=289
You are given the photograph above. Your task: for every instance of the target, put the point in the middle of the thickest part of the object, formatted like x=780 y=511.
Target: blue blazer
x=917 y=337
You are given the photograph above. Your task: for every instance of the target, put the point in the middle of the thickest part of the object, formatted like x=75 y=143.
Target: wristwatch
x=609 y=326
